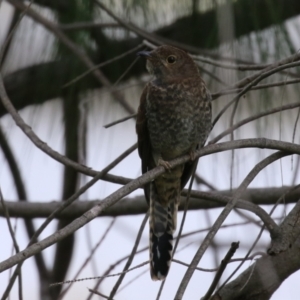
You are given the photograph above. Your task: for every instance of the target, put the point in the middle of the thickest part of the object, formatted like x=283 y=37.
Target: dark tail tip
x=160 y=255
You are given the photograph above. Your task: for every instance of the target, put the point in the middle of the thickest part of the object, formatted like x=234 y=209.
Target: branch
x=262 y=279
x=260 y=143
x=86 y=25
x=74 y=48
x=117 y=195
x=138 y=205
x=228 y=208
x=290 y=232
x=130 y=258
x=25 y=87
x=224 y=263
x=204 y=24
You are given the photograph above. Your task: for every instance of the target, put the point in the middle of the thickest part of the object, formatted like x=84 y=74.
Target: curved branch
x=97 y=210
x=263 y=278
x=22 y=197
x=207 y=240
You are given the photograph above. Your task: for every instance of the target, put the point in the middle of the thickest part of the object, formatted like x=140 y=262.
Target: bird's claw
x=164 y=163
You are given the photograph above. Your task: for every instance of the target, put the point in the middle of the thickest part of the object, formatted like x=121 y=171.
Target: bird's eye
x=171 y=59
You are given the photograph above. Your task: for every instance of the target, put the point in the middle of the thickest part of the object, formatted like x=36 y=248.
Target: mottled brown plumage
x=174 y=118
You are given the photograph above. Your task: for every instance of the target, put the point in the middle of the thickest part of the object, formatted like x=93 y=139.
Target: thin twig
x=199 y=180
x=68 y=202
x=224 y=263
x=14 y=22
x=61 y=36
x=86 y=25
x=214 y=76
x=254 y=88
x=17 y=249
x=126 y=71
x=133 y=280
x=269 y=222
x=188 y=48
x=236 y=66
x=62 y=294
x=231 y=139
x=12 y=32
x=39 y=143
x=214 y=246
x=130 y=258
x=98 y=293
x=97 y=277
x=112 y=267
x=84 y=74
x=275 y=66
x=225 y=92
x=120 y=121
x=256 y=79
x=100 y=77
x=252 y=118
x=187 y=265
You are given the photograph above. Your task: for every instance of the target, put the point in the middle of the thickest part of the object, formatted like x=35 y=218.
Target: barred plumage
x=174 y=118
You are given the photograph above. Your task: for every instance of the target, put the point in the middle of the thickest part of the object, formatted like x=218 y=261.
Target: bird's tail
x=164 y=201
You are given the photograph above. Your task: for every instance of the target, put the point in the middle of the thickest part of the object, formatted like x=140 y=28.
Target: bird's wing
x=144 y=146
x=190 y=165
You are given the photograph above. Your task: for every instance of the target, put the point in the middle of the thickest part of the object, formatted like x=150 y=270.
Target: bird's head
x=167 y=63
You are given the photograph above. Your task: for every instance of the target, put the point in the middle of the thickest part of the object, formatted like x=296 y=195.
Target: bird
x=173 y=119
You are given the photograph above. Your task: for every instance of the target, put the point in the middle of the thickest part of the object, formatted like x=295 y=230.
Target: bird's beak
x=144 y=53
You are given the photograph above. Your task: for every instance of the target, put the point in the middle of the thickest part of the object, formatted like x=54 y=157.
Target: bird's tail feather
x=163 y=218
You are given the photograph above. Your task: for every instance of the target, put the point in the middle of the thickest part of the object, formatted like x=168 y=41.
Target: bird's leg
x=161 y=162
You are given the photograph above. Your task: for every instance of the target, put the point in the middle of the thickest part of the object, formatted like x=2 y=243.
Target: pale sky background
x=43 y=179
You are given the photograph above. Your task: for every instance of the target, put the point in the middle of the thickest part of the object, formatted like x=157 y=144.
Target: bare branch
x=17 y=249
x=130 y=258
x=290 y=232
x=73 y=48
x=270 y=159
x=263 y=278
x=252 y=118
x=97 y=277
x=254 y=88
x=116 y=196
x=138 y=205
x=102 y=65
x=62 y=294
x=225 y=261
x=120 y=121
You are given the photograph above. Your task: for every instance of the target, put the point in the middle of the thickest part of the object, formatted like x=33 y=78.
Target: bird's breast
x=175 y=120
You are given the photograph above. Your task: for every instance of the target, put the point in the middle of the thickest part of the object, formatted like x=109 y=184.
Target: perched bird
x=174 y=118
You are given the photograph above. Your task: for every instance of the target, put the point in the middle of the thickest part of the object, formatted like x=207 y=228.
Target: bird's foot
x=164 y=163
